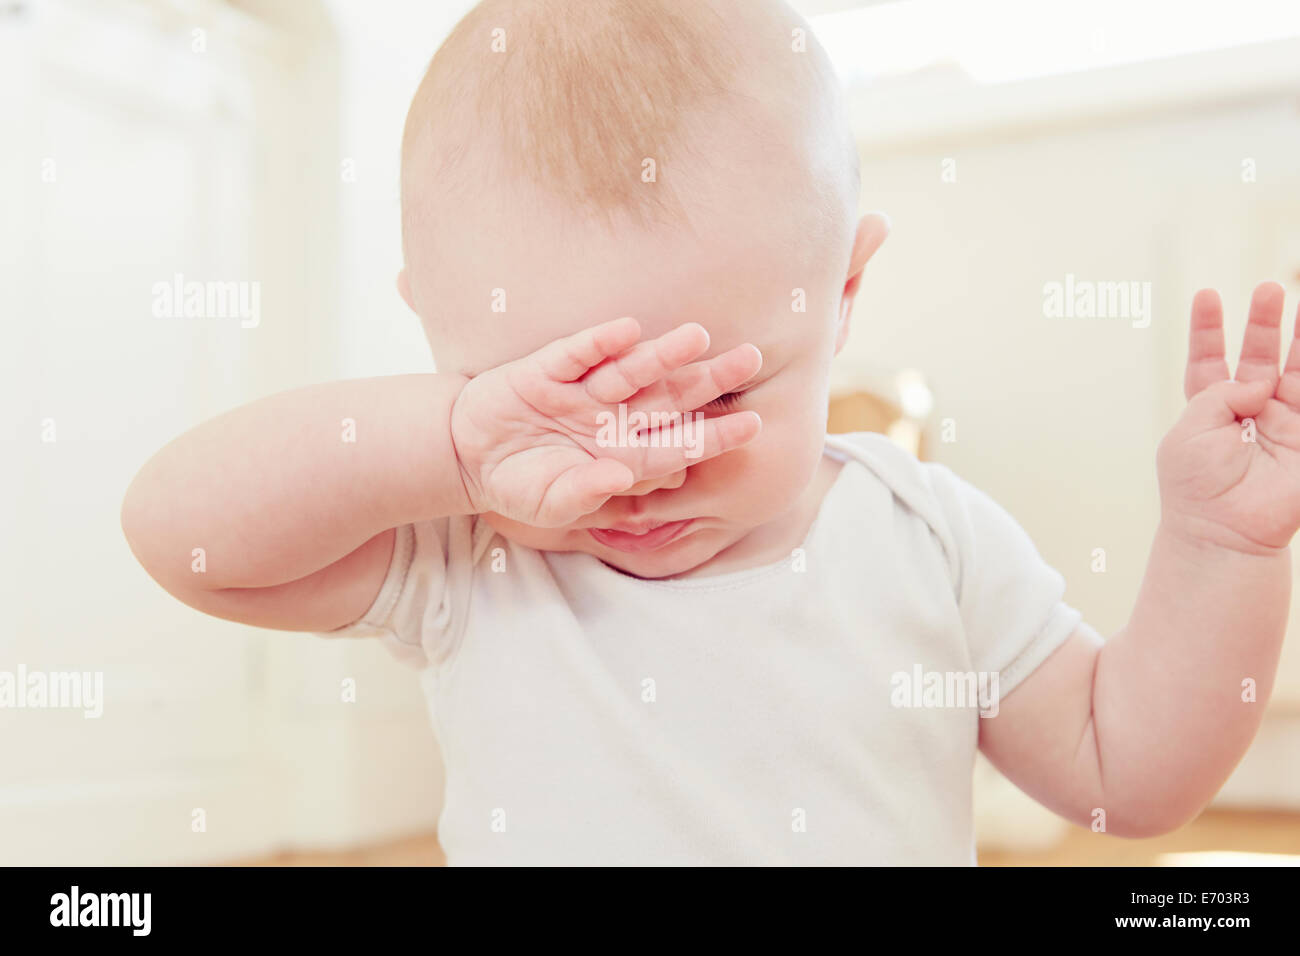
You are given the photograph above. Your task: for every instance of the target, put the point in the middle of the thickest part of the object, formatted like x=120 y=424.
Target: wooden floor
x=1216 y=838
x=415 y=851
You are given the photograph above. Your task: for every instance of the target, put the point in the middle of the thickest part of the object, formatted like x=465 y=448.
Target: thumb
x=1247 y=399
x=1224 y=402
x=583 y=489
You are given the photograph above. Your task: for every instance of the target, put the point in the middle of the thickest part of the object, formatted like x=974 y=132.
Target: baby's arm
x=1148 y=726
x=295 y=523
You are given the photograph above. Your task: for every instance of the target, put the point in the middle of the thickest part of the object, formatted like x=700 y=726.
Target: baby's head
x=567 y=162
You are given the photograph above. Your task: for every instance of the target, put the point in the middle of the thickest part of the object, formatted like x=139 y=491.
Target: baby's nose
x=667 y=482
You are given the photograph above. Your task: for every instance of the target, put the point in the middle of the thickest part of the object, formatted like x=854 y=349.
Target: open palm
x=1230 y=468
x=528 y=434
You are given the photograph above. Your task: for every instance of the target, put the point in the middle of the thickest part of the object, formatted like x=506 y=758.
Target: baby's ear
x=873 y=229
x=404 y=288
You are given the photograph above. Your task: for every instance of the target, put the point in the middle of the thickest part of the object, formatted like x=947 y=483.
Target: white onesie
x=756 y=717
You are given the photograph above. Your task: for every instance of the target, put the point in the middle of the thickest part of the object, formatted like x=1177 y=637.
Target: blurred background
x=1153 y=146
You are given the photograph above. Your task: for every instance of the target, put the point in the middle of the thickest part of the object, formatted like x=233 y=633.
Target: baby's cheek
x=769 y=473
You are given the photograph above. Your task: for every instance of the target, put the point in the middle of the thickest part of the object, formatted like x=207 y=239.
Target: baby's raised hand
x=531 y=436
x=1230 y=468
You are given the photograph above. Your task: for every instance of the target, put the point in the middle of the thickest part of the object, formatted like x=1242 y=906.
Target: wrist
x=1206 y=538
x=465 y=469
x=418 y=474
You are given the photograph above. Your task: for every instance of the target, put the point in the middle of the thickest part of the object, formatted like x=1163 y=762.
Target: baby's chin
x=689 y=552
x=694 y=546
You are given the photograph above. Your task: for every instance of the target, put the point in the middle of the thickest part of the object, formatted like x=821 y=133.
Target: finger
x=568 y=359
x=581 y=490
x=1259 y=347
x=623 y=376
x=1206 y=363
x=699 y=383
x=1288 y=389
x=690 y=440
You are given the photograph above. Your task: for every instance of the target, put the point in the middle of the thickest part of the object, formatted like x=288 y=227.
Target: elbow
x=1146 y=827
x=138 y=517
x=134 y=521
x=1146 y=819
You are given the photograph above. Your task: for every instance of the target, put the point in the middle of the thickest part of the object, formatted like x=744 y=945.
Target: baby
x=661 y=617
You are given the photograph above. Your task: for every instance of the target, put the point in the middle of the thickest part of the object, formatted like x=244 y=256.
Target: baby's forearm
x=278 y=489
x=1168 y=709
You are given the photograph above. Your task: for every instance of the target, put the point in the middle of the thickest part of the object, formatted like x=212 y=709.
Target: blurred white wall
x=145 y=139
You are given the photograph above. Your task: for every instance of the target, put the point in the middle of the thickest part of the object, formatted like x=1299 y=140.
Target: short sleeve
x=418 y=609
x=1010 y=599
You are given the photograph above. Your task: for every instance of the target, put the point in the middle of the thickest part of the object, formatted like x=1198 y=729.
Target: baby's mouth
x=636 y=538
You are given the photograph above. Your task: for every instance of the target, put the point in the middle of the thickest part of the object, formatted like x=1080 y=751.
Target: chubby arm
x=293 y=520
x=1150 y=725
